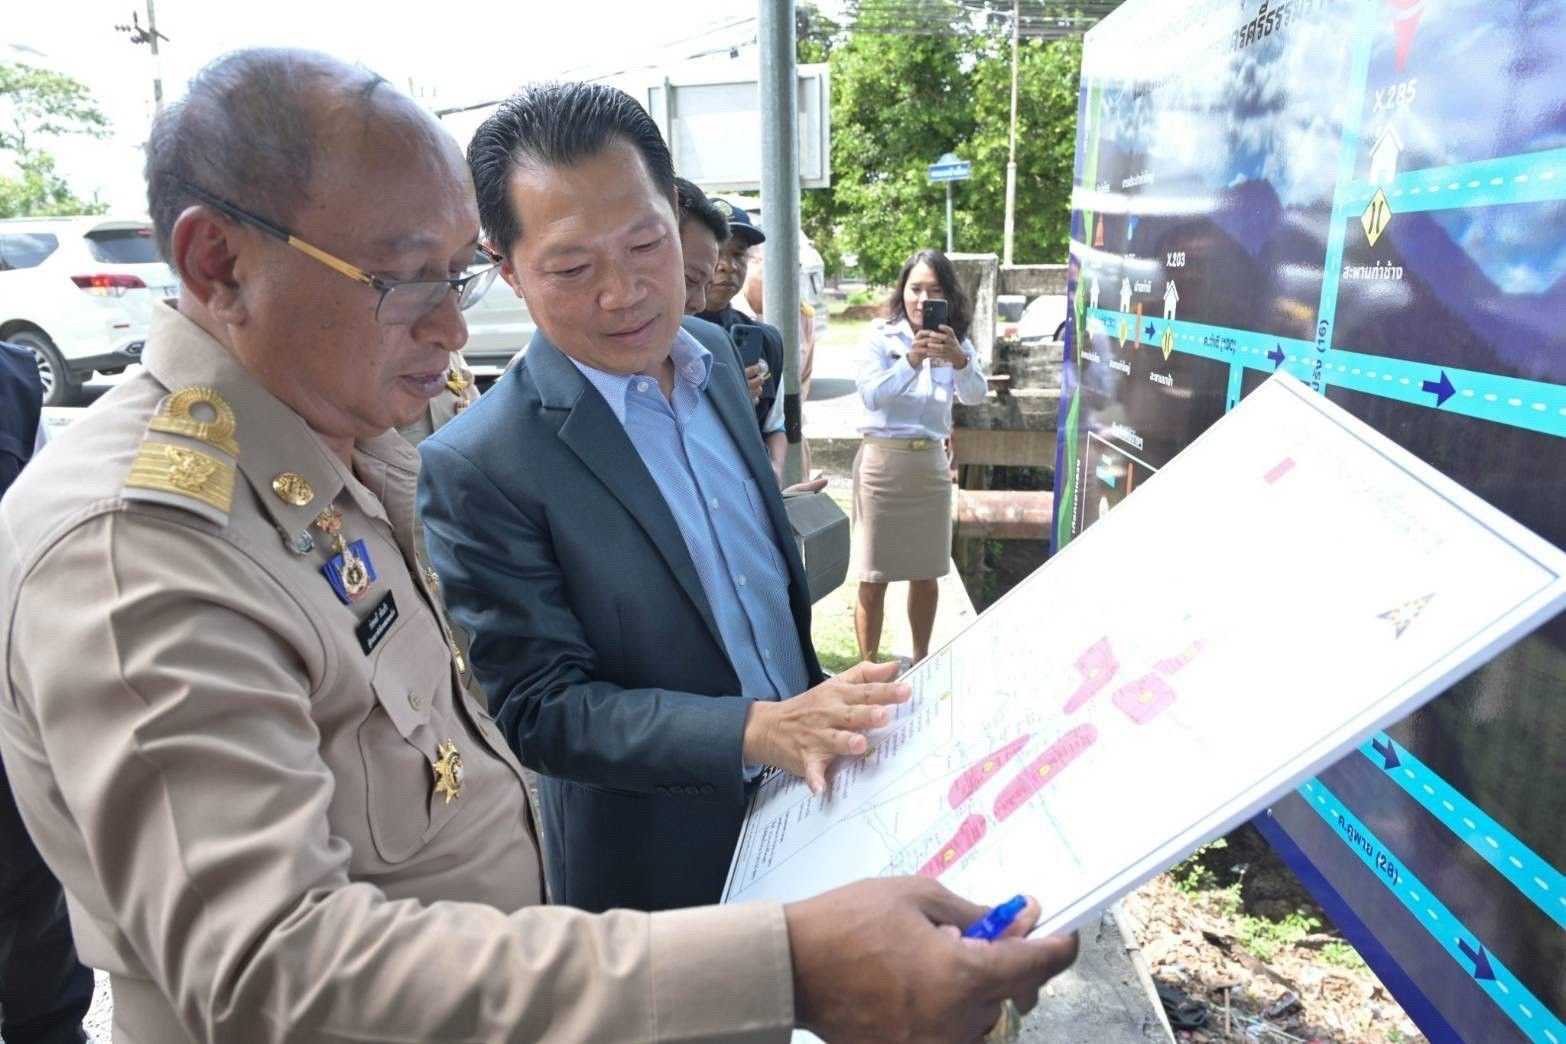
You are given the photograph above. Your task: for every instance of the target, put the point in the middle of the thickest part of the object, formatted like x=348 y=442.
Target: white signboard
x=1073 y=755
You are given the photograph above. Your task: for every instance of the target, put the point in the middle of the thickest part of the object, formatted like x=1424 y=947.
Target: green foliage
x=1047 y=78
x=900 y=100
x=1191 y=874
x=39 y=192
x=1343 y=955
x=814 y=34
x=37 y=103
x=1265 y=938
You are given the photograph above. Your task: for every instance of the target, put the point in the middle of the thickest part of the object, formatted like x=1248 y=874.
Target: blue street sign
x=960 y=170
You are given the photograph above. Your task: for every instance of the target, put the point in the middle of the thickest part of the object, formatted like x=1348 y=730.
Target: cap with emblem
x=741 y=227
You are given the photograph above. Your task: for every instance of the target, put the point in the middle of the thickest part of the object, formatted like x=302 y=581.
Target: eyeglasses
x=403 y=301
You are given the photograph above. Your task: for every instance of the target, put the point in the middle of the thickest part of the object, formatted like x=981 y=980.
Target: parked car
x=78 y=292
x=499 y=328
x=1044 y=320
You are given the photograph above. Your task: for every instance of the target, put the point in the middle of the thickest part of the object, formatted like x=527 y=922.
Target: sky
x=444 y=54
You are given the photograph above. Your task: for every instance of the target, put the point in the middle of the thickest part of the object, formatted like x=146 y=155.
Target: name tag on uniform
x=378 y=624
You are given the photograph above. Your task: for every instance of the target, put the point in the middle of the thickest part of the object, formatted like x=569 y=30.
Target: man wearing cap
x=728 y=279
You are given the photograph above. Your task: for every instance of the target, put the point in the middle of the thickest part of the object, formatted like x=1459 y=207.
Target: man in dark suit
x=608 y=530
x=44 y=989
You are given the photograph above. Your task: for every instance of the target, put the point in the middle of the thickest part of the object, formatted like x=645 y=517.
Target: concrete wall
x=1033 y=280
x=979 y=274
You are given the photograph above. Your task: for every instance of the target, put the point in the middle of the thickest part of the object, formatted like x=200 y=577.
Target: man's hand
x=813 y=486
x=804 y=735
x=755 y=377
x=883 y=960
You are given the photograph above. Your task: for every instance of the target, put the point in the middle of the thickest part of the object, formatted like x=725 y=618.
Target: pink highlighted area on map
x=968 y=835
x=979 y=773
x=1144 y=699
x=1173 y=664
x=1044 y=768
x=1097 y=667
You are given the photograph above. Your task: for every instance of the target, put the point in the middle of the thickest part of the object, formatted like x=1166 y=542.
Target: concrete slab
x=1105 y=998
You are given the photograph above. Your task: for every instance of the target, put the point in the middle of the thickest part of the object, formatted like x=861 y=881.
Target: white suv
x=78 y=291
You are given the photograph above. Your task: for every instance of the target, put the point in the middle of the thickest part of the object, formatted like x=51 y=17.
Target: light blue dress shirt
x=902 y=402
x=720 y=513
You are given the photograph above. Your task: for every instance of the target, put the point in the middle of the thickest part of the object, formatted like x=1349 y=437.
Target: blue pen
x=994 y=924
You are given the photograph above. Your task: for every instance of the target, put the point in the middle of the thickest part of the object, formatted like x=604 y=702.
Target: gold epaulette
x=176 y=464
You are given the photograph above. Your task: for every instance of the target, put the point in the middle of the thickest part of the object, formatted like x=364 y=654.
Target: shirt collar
x=692 y=366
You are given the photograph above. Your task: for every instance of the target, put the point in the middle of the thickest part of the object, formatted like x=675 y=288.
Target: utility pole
x=949 y=248
x=149 y=36
x=779 y=87
x=1011 y=163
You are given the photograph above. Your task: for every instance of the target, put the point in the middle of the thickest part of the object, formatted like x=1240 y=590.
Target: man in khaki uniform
x=460 y=392
x=230 y=708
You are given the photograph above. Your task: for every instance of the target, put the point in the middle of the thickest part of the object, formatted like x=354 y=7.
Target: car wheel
x=60 y=387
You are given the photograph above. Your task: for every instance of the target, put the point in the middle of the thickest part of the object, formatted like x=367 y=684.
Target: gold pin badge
x=448 y=771
x=455 y=382
x=293 y=489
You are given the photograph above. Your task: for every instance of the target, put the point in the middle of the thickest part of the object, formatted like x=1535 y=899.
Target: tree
x=1047 y=83
x=38 y=103
x=903 y=93
x=899 y=100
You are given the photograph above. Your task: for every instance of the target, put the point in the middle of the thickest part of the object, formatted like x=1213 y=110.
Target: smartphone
x=747 y=339
x=934 y=314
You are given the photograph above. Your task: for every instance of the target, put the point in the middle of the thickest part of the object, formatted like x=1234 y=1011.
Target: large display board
x=1370 y=195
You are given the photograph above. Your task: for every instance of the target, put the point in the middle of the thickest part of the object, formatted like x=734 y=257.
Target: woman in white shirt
x=908 y=379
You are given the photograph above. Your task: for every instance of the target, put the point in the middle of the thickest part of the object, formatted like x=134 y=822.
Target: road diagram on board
x=1074 y=760
x=1370 y=196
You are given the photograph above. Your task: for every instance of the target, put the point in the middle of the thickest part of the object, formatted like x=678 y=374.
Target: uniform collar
x=274 y=441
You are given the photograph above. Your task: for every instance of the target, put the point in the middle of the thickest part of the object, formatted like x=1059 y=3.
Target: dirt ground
x=1207 y=925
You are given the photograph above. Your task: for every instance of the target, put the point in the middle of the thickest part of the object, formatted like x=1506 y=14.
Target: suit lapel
x=595 y=435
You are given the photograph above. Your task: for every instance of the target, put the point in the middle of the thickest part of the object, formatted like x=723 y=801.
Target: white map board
x=1072 y=756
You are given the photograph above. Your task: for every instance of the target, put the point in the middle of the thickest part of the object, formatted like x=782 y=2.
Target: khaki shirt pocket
x=400 y=741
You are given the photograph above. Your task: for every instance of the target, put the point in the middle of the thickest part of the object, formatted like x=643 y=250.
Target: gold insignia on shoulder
x=293 y=489
x=200 y=414
x=448 y=771
x=165 y=468
x=455 y=382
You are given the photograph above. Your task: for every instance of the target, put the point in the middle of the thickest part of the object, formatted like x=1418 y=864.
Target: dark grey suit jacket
x=590 y=631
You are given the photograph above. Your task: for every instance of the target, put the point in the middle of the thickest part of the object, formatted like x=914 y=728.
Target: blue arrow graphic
x=1388 y=753
x=1150 y=331
x=1441 y=389
x=1277 y=356
x=1482 y=969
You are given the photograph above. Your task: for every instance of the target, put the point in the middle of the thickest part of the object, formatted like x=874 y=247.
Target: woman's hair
x=958 y=313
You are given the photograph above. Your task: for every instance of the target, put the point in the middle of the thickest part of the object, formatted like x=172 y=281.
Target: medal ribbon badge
x=349 y=571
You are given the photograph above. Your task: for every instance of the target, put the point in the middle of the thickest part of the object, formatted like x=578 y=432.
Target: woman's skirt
x=902 y=513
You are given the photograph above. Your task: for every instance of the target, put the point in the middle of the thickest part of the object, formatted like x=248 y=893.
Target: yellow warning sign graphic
x=1377 y=216
x=1405 y=614
x=1168 y=342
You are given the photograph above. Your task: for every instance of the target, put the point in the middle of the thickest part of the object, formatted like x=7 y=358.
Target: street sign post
x=949 y=169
